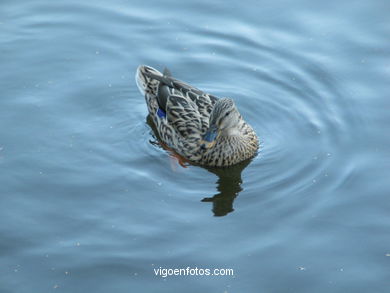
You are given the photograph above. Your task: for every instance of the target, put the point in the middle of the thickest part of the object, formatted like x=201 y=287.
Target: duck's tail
x=145 y=79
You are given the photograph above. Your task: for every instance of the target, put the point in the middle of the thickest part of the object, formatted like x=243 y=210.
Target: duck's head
x=224 y=119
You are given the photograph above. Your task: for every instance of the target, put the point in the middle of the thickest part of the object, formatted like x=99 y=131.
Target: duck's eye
x=227 y=113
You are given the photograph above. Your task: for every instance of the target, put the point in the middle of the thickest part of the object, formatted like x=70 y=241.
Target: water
x=88 y=203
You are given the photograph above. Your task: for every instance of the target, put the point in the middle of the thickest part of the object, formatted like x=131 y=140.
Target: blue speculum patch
x=210 y=135
x=161 y=113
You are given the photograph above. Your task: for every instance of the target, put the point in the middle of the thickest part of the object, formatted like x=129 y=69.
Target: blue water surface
x=90 y=203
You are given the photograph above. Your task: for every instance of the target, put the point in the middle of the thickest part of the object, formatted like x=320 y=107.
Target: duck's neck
x=231 y=132
x=235 y=131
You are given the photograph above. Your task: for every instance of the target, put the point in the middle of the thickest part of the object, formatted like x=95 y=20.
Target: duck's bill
x=209 y=138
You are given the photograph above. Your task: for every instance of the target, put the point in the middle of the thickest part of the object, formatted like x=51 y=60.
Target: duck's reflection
x=228 y=186
x=228 y=183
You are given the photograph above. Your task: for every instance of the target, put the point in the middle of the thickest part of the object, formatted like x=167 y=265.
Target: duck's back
x=175 y=100
x=180 y=111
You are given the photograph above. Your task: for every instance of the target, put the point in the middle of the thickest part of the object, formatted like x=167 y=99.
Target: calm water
x=89 y=203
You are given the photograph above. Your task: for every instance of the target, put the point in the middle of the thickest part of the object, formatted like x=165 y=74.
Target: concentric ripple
x=294 y=104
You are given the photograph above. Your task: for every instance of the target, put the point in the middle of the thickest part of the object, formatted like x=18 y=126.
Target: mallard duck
x=200 y=127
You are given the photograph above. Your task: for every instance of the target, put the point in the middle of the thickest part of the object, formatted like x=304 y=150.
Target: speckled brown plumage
x=183 y=114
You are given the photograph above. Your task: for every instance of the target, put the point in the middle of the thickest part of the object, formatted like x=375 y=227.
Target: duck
x=202 y=128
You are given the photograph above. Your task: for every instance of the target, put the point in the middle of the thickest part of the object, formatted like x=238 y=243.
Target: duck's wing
x=183 y=115
x=185 y=100
x=168 y=84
